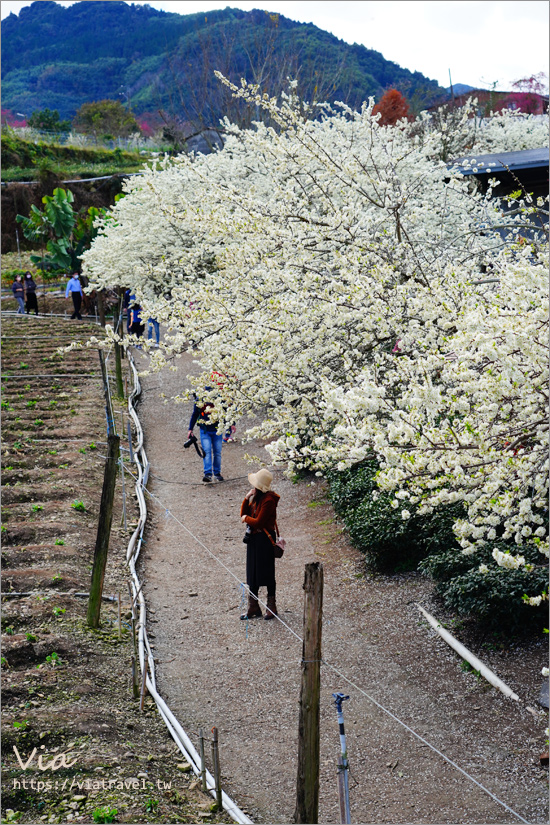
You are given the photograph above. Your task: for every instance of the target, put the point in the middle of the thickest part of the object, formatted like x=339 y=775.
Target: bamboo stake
x=135 y=690
x=119 y=618
x=143 y=683
x=203 y=765
x=216 y=767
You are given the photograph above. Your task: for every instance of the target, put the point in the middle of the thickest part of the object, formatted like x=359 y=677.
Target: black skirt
x=260 y=562
x=32 y=302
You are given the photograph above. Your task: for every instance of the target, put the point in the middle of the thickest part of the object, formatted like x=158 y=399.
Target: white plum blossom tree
x=331 y=270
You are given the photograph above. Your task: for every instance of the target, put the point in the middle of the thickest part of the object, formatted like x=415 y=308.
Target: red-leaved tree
x=393 y=107
x=529 y=94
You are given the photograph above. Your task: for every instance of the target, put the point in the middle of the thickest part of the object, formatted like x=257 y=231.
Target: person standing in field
x=74 y=289
x=30 y=293
x=18 y=289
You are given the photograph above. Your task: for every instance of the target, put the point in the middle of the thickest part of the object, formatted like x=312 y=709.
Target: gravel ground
x=215 y=671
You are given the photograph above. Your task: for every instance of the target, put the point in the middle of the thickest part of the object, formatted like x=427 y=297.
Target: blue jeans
x=21 y=302
x=153 y=324
x=211 y=443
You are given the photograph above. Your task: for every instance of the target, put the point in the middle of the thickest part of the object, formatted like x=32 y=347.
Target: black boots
x=253 y=611
x=271 y=611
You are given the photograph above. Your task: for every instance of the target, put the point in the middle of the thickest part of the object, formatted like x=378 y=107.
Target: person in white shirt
x=74 y=287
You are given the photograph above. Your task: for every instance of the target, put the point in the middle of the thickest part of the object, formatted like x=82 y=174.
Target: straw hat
x=261 y=480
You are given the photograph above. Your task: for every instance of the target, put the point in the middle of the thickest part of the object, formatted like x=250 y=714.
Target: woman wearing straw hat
x=259 y=513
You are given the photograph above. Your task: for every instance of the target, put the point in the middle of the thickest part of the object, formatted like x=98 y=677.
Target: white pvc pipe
x=134 y=546
x=469 y=657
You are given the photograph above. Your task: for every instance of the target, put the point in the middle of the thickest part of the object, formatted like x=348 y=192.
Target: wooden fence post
x=101 y=307
x=216 y=768
x=307 y=783
x=103 y=530
x=118 y=354
x=118 y=371
x=203 y=763
x=108 y=405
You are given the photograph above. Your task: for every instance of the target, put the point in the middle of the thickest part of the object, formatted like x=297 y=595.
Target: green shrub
x=8 y=275
x=104 y=814
x=389 y=542
x=494 y=598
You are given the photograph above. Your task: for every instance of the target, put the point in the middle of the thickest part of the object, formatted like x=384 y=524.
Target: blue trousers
x=153 y=324
x=211 y=443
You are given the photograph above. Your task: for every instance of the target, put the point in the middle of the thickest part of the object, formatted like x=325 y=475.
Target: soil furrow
x=67 y=688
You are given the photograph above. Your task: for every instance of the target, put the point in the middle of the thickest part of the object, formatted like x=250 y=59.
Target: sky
x=481 y=42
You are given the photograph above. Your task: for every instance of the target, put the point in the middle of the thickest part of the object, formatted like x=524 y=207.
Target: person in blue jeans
x=127 y=303
x=18 y=289
x=153 y=324
x=211 y=441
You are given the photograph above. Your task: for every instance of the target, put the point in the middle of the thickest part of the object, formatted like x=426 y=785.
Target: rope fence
x=132 y=554
x=145 y=655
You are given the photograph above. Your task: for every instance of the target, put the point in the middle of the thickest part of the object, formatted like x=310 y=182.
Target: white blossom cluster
x=510 y=131
x=332 y=271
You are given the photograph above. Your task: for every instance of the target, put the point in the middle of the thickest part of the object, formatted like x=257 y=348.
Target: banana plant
x=62 y=233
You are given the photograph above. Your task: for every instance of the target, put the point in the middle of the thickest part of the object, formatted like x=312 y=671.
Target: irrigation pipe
x=89 y=319
x=348 y=680
x=13 y=594
x=179 y=736
x=144 y=650
x=468 y=656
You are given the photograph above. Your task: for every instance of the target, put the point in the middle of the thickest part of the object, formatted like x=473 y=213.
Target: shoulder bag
x=278 y=545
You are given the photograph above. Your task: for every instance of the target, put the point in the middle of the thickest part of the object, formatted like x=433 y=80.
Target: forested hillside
x=60 y=58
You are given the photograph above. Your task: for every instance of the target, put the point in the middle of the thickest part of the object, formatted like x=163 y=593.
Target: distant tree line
x=163 y=63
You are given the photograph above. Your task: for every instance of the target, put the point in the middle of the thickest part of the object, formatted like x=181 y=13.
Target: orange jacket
x=261 y=514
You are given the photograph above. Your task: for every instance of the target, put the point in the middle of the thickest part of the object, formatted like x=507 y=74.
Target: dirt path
x=213 y=672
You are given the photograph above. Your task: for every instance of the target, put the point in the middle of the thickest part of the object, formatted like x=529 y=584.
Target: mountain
x=58 y=58
x=460 y=88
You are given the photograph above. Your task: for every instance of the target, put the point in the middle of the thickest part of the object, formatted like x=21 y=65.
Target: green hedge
x=494 y=598
x=8 y=275
x=427 y=543
x=25 y=155
x=390 y=543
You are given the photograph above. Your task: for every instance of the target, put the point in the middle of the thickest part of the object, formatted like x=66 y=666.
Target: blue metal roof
x=485 y=164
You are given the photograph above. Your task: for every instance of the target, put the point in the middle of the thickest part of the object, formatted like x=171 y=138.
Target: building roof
x=486 y=164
